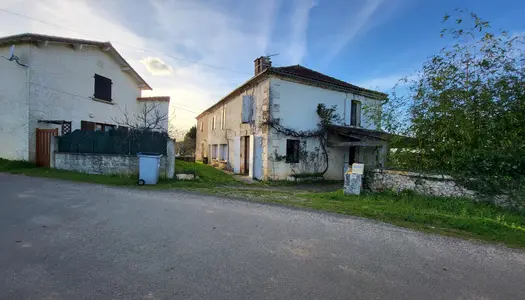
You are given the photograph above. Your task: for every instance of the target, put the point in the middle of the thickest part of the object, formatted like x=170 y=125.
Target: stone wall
x=93 y=163
x=425 y=184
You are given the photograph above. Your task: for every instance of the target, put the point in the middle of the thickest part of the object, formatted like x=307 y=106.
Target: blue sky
x=182 y=47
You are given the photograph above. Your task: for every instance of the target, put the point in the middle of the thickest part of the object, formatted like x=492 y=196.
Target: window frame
x=105 y=127
x=92 y=126
x=295 y=148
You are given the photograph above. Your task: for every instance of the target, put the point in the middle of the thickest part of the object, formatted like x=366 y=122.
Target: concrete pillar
x=53 y=146
x=353 y=184
x=383 y=155
x=170 y=159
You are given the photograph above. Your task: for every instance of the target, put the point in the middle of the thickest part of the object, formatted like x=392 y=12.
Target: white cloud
x=296 y=48
x=156 y=66
x=207 y=33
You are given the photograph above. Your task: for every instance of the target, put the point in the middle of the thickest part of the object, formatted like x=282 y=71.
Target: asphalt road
x=64 y=240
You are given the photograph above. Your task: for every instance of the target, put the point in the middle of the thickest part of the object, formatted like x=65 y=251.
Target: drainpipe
x=28 y=99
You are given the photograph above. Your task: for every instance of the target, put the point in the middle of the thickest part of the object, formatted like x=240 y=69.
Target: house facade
x=54 y=82
x=264 y=128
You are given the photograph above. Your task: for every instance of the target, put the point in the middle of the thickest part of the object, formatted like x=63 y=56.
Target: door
x=352 y=157
x=245 y=155
x=237 y=154
x=256 y=162
x=43 y=146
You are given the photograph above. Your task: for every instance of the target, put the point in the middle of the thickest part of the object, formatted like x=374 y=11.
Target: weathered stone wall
x=93 y=163
x=432 y=185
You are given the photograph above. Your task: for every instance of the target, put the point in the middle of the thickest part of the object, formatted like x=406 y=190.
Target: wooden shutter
x=102 y=88
x=247 y=109
x=87 y=126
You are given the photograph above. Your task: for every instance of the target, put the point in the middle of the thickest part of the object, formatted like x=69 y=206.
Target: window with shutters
x=104 y=127
x=292 y=151
x=87 y=126
x=92 y=126
x=355 y=113
x=102 y=88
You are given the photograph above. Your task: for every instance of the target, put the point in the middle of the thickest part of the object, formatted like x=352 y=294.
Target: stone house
x=49 y=82
x=235 y=133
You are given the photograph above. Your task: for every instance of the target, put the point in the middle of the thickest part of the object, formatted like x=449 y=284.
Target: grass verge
x=448 y=216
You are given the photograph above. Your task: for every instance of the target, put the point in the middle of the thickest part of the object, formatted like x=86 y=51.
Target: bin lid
x=149 y=154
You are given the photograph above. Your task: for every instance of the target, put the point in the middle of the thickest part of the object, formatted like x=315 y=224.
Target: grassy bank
x=447 y=216
x=208 y=177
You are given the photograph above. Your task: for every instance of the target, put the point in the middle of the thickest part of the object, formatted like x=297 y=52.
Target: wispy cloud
x=162 y=32
x=296 y=49
x=156 y=66
x=357 y=25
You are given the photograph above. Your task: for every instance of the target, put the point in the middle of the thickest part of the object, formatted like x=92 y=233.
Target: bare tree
x=148 y=116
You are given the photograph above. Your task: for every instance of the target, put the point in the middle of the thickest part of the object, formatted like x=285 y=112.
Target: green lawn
x=208 y=176
x=448 y=216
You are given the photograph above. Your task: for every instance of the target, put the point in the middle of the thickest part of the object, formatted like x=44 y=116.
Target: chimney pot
x=261 y=64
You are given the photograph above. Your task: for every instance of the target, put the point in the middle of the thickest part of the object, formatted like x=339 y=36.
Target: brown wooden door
x=43 y=146
x=245 y=155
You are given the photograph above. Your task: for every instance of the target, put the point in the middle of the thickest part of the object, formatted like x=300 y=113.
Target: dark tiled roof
x=155 y=98
x=303 y=72
x=306 y=74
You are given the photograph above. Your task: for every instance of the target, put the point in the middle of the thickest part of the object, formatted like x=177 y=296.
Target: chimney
x=262 y=63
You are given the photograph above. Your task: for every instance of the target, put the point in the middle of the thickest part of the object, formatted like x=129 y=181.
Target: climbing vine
x=313 y=162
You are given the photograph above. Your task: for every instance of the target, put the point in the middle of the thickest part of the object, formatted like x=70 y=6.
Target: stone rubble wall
x=425 y=184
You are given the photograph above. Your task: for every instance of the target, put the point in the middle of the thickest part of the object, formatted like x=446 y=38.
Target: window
x=223 y=119
x=92 y=126
x=213 y=123
x=292 y=151
x=104 y=127
x=355 y=113
x=102 y=88
x=202 y=126
x=214 y=150
x=223 y=155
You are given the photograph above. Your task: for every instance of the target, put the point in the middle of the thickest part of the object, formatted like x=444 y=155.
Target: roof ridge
x=35 y=37
x=284 y=69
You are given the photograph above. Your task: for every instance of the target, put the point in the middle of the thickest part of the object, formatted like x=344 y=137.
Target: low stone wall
x=93 y=163
x=432 y=185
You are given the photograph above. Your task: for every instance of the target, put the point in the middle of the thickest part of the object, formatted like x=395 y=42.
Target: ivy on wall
x=313 y=162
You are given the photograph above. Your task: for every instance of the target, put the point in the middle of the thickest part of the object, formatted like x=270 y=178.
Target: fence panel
x=113 y=142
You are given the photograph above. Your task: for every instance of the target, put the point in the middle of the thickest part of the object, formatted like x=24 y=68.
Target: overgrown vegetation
x=448 y=216
x=187 y=146
x=465 y=108
x=308 y=162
